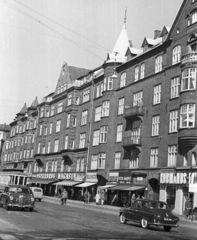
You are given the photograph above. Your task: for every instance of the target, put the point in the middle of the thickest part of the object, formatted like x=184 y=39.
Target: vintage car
x=17 y=196
x=37 y=192
x=149 y=212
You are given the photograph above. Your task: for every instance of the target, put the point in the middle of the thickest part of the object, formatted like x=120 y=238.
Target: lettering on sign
x=44 y=175
x=124 y=180
x=173 y=178
x=71 y=176
x=91 y=177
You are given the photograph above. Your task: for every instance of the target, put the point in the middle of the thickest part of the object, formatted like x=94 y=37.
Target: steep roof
x=23 y=110
x=120 y=48
x=35 y=102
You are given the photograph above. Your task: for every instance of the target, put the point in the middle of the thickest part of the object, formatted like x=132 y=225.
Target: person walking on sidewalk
x=188 y=207
x=64 y=196
x=86 y=197
x=97 y=198
x=102 y=197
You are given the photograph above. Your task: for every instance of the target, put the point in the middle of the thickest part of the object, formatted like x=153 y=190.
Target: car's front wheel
x=167 y=228
x=122 y=218
x=144 y=223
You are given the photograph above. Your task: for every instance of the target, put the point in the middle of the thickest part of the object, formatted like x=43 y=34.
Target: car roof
x=19 y=186
x=35 y=187
x=149 y=200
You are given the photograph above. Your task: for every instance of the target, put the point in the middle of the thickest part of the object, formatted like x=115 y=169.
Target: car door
x=4 y=196
x=132 y=212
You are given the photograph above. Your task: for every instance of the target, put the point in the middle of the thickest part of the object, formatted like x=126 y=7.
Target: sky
x=38 y=36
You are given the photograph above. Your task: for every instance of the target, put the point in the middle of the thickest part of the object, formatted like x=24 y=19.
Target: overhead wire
x=50 y=28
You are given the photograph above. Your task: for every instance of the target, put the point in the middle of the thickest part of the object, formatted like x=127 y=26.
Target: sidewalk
x=110 y=209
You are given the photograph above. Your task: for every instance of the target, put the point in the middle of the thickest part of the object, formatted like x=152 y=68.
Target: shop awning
x=41 y=181
x=66 y=183
x=106 y=186
x=119 y=187
x=134 y=188
x=85 y=184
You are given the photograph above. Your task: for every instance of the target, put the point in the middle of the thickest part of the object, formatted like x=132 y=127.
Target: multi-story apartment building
x=128 y=126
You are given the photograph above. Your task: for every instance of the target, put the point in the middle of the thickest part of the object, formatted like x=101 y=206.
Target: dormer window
x=194 y=17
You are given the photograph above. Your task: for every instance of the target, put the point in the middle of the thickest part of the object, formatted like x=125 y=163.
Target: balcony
x=133 y=112
x=189 y=58
x=187 y=139
x=131 y=141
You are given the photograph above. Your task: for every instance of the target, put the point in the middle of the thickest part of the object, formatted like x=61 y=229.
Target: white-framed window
x=103 y=134
x=82 y=138
x=52 y=166
x=33 y=138
x=84 y=117
x=32 y=153
x=94 y=161
x=38 y=149
x=188 y=80
x=134 y=159
x=194 y=159
x=68 y=120
x=62 y=166
x=42 y=112
x=52 y=110
x=74 y=124
x=158 y=63
x=56 y=145
x=173 y=121
x=119 y=133
x=24 y=154
x=154 y=157
x=157 y=94
x=172 y=155
x=98 y=114
x=27 y=155
x=194 y=17
x=49 y=147
x=138 y=98
x=50 y=128
x=110 y=83
x=101 y=160
x=82 y=164
x=96 y=134
x=5 y=157
x=78 y=165
x=86 y=95
x=59 y=107
x=43 y=149
x=29 y=138
x=121 y=106
x=45 y=130
x=136 y=77
x=98 y=90
x=21 y=154
x=58 y=125
x=69 y=99
x=105 y=108
x=187 y=115
x=72 y=144
x=155 y=125
x=176 y=54
x=117 y=160
x=66 y=142
x=123 y=80
x=55 y=166
x=47 y=166
x=175 y=82
x=40 y=132
x=142 y=71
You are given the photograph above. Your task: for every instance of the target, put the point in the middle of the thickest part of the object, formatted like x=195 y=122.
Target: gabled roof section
x=120 y=48
x=151 y=42
x=133 y=51
x=177 y=18
x=165 y=31
x=69 y=74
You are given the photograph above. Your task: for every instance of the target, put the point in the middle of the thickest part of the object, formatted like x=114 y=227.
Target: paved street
x=50 y=220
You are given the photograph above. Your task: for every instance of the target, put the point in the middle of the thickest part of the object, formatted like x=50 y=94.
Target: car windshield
x=37 y=190
x=18 y=190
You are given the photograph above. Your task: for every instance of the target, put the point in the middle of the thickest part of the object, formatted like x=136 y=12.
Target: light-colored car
x=37 y=192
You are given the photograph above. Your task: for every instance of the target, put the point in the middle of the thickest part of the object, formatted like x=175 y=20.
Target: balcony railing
x=189 y=57
x=133 y=112
x=131 y=141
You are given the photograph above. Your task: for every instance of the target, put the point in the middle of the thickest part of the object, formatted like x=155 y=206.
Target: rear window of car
x=19 y=190
x=37 y=190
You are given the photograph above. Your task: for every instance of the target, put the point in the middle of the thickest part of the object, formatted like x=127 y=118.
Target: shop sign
x=91 y=177
x=113 y=177
x=124 y=178
x=193 y=182
x=173 y=178
x=71 y=176
x=44 y=175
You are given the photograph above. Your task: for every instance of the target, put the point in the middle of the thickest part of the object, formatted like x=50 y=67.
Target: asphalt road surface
x=53 y=221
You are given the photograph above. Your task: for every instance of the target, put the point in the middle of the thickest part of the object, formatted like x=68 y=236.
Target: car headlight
x=32 y=199
x=11 y=198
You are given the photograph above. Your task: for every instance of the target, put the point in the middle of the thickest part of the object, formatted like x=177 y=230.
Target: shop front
x=176 y=186
x=68 y=180
x=45 y=181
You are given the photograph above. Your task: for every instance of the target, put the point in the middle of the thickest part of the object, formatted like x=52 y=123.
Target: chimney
x=157 y=34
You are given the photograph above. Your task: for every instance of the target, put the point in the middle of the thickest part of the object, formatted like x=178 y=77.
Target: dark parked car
x=149 y=212
x=17 y=196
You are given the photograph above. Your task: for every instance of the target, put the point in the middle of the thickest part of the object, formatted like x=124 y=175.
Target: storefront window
x=171 y=193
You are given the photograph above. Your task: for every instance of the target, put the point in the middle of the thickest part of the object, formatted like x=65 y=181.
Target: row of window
x=31 y=124
x=15 y=156
x=20 y=141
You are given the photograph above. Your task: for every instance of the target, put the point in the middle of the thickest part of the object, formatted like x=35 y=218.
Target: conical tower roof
x=35 y=102
x=121 y=46
x=23 y=110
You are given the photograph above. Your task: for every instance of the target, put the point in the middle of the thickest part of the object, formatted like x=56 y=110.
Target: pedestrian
x=86 y=197
x=97 y=198
x=102 y=197
x=188 y=207
x=133 y=198
x=64 y=197
x=89 y=195
x=59 y=192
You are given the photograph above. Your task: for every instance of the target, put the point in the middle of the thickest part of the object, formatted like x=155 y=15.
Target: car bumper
x=21 y=205
x=165 y=224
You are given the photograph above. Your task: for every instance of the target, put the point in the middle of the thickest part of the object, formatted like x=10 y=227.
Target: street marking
x=7 y=237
